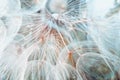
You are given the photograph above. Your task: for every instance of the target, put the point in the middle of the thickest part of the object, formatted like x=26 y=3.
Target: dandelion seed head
x=58 y=40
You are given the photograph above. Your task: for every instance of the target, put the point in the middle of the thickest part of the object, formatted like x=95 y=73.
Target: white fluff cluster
x=59 y=40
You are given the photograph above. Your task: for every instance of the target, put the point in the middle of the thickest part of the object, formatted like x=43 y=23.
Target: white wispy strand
x=58 y=40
